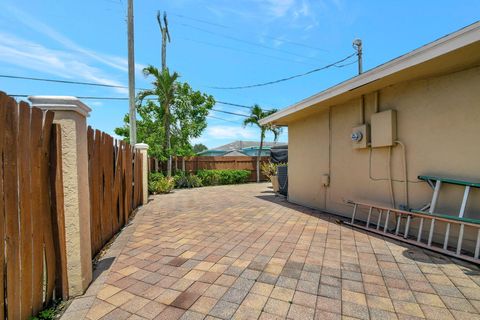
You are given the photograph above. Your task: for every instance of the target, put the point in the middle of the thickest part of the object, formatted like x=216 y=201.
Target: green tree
x=168 y=123
x=257 y=113
x=164 y=88
x=199 y=147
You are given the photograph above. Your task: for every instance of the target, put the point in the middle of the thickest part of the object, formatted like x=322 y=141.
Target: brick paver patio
x=239 y=252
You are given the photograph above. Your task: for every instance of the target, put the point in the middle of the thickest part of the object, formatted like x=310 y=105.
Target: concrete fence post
x=71 y=114
x=143 y=147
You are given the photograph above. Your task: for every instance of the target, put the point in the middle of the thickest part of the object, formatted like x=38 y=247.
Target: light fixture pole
x=357 y=44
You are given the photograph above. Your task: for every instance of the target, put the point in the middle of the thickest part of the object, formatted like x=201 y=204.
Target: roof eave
x=444 y=45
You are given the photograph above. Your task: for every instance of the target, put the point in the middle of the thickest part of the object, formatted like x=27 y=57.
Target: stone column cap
x=141 y=146
x=60 y=103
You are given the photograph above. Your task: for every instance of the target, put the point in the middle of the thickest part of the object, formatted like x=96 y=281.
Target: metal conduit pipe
x=392 y=195
x=405 y=172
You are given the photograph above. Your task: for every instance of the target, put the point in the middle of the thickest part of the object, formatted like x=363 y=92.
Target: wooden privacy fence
x=193 y=164
x=115 y=178
x=32 y=231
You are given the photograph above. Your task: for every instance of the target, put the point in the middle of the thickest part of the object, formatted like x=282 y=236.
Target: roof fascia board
x=444 y=45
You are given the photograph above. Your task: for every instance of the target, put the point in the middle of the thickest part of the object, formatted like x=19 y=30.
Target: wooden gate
x=32 y=231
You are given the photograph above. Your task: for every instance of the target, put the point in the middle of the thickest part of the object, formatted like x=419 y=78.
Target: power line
x=287 y=78
x=264 y=36
x=232 y=113
x=67 y=82
x=119 y=98
x=218 y=118
x=242 y=50
x=94 y=84
x=245 y=41
x=79 y=97
x=238 y=105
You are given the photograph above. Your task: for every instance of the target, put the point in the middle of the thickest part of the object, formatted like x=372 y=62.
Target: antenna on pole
x=357 y=45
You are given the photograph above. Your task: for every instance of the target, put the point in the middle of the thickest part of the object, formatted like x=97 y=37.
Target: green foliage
x=269 y=169
x=199 y=148
x=176 y=111
x=222 y=177
x=256 y=114
x=158 y=183
x=47 y=314
x=183 y=180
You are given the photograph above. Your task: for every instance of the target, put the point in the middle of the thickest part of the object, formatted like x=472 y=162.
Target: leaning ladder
x=378 y=215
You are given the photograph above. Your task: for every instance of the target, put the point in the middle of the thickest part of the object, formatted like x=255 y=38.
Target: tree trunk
x=259 y=157
x=167 y=138
x=183 y=163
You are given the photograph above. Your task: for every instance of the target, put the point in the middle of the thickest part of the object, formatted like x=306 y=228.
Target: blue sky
x=214 y=43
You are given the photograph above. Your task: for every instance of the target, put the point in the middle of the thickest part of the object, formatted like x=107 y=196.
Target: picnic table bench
x=436 y=183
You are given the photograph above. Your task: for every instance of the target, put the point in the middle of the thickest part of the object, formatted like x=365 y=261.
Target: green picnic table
x=436 y=182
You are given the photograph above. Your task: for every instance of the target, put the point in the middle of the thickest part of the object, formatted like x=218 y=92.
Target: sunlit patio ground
x=240 y=252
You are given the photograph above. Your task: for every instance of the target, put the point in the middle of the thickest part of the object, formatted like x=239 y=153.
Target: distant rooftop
x=239 y=145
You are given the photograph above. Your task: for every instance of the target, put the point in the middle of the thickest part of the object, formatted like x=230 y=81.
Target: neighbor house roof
x=238 y=145
x=454 y=52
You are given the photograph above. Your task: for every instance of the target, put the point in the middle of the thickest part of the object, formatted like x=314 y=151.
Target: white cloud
x=74 y=62
x=40 y=27
x=229 y=132
x=279 y=8
x=34 y=56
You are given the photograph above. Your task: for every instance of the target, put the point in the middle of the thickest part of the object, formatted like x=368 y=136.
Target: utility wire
x=288 y=78
x=79 y=97
x=218 y=118
x=232 y=113
x=260 y=35
x=239 y=105
x=66 y=81
x=245 y=41
x=242 y=50
x=94 y=84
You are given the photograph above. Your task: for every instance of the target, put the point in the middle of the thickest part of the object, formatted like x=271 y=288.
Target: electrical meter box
x=384 y=128
x=360 y=136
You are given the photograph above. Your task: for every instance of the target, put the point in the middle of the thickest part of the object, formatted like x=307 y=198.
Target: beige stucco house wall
x=435 y=91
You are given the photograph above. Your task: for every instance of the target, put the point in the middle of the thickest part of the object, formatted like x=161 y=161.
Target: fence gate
x=32 y=231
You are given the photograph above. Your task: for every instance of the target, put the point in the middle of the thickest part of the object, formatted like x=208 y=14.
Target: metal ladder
x=383 y=215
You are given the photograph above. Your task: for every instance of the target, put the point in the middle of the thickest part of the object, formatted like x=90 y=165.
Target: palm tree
x=257 y=113
x=165 y=86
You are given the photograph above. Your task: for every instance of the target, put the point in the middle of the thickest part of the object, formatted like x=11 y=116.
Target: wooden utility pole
x=165 y=38
x=131 y=76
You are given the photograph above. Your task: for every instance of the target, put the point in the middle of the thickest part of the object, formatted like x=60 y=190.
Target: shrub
x=269 y=169
x=153 y=178
x=165 y=185
x=158 y=183
x=183 y=180
x=221 y=177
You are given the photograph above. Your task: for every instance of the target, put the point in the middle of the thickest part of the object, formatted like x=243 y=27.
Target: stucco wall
x=438 y=120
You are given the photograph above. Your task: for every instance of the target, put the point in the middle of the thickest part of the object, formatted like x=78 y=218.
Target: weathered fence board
x=26 y=211
x=3 y=112
x=30 y=245
x=115 y=185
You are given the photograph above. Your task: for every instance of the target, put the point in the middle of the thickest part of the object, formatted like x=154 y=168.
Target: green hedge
x=158 y=183
x=221 y=177
x=184 y=180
